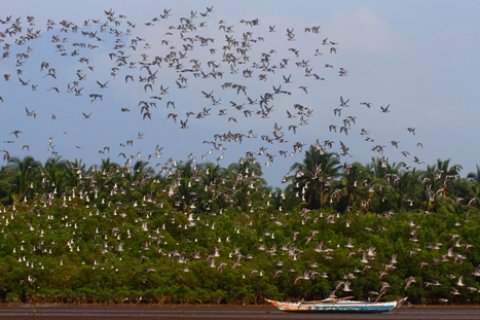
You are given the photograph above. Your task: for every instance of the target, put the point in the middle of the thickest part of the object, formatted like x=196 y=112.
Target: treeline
x=200 y=233
x=319 y=182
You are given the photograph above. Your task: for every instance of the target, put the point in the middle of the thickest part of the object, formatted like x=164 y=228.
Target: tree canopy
x=201 y=233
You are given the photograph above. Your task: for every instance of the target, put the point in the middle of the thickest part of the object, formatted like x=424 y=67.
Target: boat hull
x=338 y=306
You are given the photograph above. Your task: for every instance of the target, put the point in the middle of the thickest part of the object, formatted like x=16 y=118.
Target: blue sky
x=421 y=58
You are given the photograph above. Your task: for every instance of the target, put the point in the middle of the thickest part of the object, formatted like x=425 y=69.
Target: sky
x=416 y=60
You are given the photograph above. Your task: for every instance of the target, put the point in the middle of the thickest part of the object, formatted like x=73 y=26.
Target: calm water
x=220 y=312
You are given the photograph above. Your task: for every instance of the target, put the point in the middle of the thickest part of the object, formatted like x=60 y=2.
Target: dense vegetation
x=201 y=233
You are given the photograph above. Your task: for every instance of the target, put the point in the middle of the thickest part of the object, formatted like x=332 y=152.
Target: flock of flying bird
x=251 y=79
x=194 y=69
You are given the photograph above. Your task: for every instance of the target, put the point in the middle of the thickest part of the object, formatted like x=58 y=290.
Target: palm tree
x=28 y=173
x=212 y=191
x=314 y=177
x=7 y=184
x=54 y=171
x=444 y=166
x=354 y=183
x=475 y=177
x=382 y=187
x=137 y=179
x=408 y=190
x=104 y=180
x=182 y=185
x=74 y=173
x=437 y=180
x=248 y=188
x=442 y=172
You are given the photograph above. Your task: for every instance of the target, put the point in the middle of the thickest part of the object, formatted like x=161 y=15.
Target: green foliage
x=200 y=233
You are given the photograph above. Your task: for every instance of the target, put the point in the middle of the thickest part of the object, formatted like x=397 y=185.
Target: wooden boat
x=337 y=305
